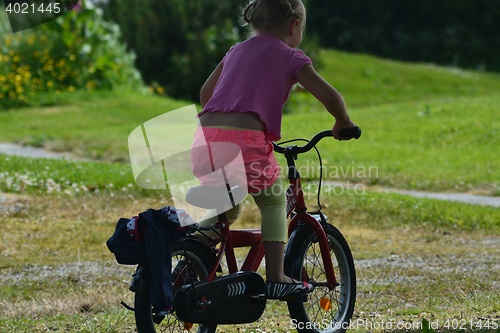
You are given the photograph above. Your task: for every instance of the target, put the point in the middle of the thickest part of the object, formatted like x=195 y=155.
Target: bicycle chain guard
x=232 y=299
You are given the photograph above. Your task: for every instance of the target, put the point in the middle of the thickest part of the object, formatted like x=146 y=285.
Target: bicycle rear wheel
x=323 y=310
x=191 y=262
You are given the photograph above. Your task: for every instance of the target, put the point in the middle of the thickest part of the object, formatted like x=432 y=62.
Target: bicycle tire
x=200 y=261
x=323 y=310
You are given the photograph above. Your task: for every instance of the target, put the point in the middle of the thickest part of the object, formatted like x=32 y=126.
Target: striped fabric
x=279 y=290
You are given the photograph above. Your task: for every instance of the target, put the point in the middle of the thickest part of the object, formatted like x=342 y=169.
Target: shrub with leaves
x=77 y=51
x=178 y=43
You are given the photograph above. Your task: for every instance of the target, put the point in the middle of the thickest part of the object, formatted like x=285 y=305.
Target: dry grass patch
x=57 y=274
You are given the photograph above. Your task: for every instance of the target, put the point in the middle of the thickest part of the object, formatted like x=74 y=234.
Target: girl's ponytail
x=289 y=11
x=270 y=14
x=248 y=11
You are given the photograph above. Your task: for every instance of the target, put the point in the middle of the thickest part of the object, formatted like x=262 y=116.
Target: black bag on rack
x=145 y=240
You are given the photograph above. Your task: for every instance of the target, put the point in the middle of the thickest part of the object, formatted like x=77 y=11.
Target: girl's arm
x=329 y=96
x=208 y=87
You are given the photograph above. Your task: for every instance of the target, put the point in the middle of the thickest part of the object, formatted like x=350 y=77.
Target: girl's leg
x=272 y=204
x=210 y=218
x=274 y=256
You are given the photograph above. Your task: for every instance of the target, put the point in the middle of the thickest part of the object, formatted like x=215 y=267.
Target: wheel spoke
x=329 y=307
x=190 y=264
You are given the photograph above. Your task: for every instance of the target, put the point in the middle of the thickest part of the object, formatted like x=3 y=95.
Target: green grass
x=366 y=81
x=33 y=176
x=424 y=127
x=444 y=145
x=90 y=125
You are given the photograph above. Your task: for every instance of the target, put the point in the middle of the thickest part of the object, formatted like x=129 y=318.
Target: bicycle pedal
x=138 y=283
x=157 y=319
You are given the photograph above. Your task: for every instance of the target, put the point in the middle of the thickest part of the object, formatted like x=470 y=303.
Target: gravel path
x=26 y=151
x=108 y=272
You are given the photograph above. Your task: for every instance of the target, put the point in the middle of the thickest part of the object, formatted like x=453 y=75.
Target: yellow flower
x=71 y=88
x=31 y=39
x=160 y=90
x=50 y=84
x=72 y=57
x=90 y=85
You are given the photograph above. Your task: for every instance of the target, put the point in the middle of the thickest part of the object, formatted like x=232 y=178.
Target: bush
x=77 y=51
x=178 y=43
x=458 y=33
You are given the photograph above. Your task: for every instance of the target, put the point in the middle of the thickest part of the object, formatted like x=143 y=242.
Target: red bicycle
x=316 y=252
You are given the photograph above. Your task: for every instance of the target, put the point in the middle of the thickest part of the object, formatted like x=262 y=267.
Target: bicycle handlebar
x=354 y=132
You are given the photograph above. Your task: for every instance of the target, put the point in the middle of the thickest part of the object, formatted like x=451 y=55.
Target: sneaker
x=282 y=290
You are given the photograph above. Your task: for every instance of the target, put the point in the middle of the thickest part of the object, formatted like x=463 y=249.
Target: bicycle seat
x=211 y=197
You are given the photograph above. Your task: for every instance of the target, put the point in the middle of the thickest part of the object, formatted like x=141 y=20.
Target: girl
x=242 y=102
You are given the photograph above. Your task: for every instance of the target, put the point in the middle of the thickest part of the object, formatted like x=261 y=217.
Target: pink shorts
x=260 y=164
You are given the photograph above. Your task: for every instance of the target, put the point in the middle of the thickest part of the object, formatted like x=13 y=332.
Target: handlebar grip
x=350 y=133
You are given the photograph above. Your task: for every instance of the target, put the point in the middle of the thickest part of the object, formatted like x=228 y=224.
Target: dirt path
x=26 y=151
x=472 y=199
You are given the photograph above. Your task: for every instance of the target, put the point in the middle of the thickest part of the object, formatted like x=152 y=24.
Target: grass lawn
x=425 y=127
x=437 y=130
x=415 y=259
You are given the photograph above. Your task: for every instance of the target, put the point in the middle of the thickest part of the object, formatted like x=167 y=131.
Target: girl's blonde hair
x=269 y=15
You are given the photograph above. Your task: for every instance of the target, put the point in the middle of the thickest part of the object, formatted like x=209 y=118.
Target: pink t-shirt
x=257 y=76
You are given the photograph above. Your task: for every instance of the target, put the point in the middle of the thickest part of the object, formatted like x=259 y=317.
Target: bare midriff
x=246 y=120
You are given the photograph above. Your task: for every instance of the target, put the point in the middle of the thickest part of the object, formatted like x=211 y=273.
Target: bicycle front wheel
x=324 y=310
x=191 y=262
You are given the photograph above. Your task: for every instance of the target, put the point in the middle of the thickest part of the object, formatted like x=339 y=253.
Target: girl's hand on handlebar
x=337 y=128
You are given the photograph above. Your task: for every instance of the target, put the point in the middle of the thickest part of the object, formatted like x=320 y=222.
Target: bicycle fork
x=323 y=245
x=295 y=202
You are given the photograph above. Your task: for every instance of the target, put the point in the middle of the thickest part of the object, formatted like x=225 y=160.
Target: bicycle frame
x=228 y=239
